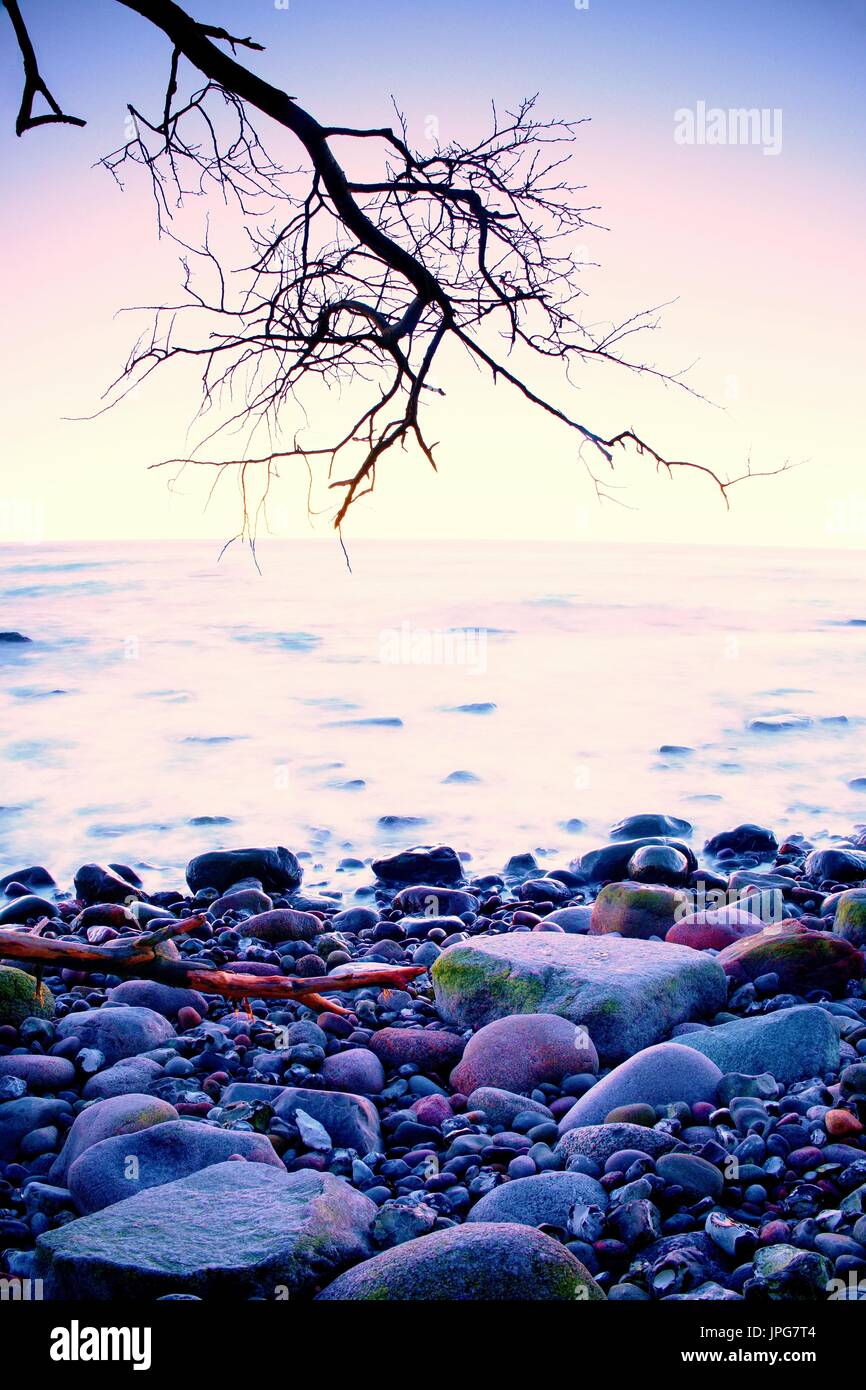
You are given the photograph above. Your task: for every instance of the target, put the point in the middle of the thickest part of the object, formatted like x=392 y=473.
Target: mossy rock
x=487 y=1261
x=628 y=994
x=803 y=960
x=21 y=996
x=850 y=920
x=636 y=910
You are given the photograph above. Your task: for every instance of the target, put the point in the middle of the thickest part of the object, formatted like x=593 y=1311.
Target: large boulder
x=636 y=910
x=803 y=960
x=423 y=864
x=104 y=1119
x=659 y=1075
x=486 y=1262
x=627 y=994
x=117 y=1168
x=21 y=996
x=791 y=1044
x=117 y=1031
x=276 y=869
x=518 y=1052
x=544 y=1200
x=232 y=1231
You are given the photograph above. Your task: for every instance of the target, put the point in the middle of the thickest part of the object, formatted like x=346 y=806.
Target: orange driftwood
x=149 y=955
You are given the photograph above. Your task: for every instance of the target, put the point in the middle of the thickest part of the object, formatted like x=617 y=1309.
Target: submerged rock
x=634 y=827
x=837 y=865
x=627 y=994
x=437 y=864
x=611 y=862
x=744 y=839
x=26 y=908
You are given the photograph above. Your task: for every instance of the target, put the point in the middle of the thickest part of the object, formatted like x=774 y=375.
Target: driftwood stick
x=146 y=956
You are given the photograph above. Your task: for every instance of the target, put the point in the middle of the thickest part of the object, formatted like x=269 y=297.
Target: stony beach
x=637 y=1076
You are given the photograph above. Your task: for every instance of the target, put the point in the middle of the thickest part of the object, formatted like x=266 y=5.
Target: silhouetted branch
x=357 y=286
x=34 y=84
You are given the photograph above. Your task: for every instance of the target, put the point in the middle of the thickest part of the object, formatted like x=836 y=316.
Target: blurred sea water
x=488 y=695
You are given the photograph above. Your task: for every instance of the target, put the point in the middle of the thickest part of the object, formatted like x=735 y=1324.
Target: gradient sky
x=763 y=256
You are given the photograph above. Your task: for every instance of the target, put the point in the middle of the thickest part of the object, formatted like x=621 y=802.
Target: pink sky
x=762 y=255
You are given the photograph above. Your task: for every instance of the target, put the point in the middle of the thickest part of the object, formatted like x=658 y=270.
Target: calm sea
x=498 y=693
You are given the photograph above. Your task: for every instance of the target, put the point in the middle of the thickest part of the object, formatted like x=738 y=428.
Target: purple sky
x=760 y=251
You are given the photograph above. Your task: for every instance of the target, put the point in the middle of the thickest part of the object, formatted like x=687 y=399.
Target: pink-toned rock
x=429 y=1048
x=517 y=1052
x=803 y=960
x=714 y=928
x=283 y=924
x=432 y=1110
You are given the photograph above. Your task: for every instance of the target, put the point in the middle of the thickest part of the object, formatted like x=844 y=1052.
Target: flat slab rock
x=236 y=1230
x=628 y=994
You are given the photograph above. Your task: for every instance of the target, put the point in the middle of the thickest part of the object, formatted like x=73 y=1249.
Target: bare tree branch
x=34 y=84
x=354 y=288
x=148 y=954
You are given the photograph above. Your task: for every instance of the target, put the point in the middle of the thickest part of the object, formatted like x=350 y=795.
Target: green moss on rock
x=21 y=996
x=501 y=989
x=850 y=920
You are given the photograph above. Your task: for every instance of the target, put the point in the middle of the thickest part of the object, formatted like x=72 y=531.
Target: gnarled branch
x=357 y=286
x=145 y=955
